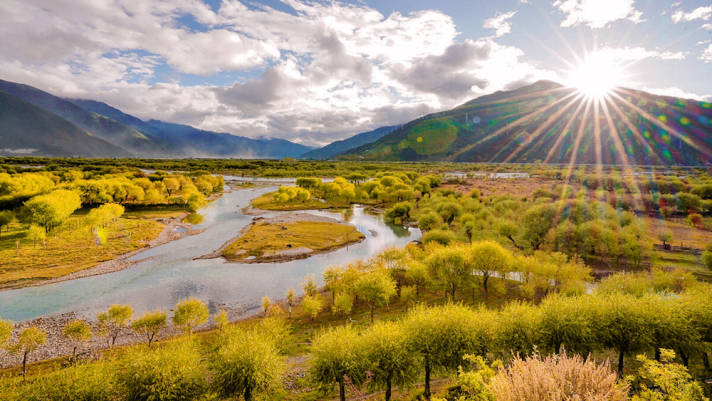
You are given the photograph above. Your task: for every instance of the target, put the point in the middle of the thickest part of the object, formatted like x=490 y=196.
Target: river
x=168 y=273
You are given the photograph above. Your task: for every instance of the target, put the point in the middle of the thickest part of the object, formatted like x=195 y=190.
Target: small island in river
x=288 y=237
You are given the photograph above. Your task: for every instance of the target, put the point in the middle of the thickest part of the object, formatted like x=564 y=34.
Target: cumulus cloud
x=702 y=13
x=676 y=92
x=597 y=13
x=500 y=23
x=321 y=71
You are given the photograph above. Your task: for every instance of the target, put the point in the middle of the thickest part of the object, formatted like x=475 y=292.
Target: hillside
x=338 y=147
x=29 y=130
x=95 y=124
x=179 y=140
x=550 y=123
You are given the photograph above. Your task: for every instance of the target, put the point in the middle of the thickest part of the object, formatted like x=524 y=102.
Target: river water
x=168 y=273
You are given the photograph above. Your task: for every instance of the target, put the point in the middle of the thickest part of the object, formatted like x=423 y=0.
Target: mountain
x=180 y=140
x=95 y=124
x=26 y=129
x=551 y=123
x=338 y=147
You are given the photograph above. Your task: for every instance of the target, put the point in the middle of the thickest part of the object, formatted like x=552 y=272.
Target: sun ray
x=566 y=128
x=636 y=132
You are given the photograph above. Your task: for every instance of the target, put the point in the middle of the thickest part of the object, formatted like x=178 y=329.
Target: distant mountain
x=551 y=123
x=185 y=141
x=26 y=129
x=95 y=124
x=128 y=135
x=338 y=147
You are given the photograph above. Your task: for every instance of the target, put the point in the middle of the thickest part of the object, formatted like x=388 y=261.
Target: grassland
x=68 y=249
x=268 y=202
x=287 y=240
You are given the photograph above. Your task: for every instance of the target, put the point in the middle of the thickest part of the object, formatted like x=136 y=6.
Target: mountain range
x=550 y=123
x=544 y=122
x=34 y=122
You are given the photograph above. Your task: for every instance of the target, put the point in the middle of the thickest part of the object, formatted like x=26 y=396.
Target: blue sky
x=313 y=72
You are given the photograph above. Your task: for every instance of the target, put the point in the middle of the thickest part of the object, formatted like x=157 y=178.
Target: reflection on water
x=168 y=273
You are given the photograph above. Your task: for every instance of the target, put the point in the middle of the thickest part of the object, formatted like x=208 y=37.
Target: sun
x=596 y=76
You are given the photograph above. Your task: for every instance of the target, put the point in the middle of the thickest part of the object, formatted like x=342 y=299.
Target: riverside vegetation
x=505 y=298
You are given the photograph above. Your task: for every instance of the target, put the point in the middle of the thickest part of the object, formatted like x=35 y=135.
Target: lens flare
x=597 y=75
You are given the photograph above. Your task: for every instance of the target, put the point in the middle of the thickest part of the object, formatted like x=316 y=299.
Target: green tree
x=6 y=217
x=343 y=304
x=391 y=360
x=517 y=329
x=443 y=335
x=536 y=223
x=50 y=210
x=429 y=221
x=664 y=380
x=309 y=286
x=115 y=320
x=449 y=267
x=247 y=364
x=29 y=340
x=312 y=305
x=171 y=373
x=567 y=323
x=189 y=314
x=77 y=331
x=150 y=325
x=336 y=355
x=36 y=233
x=376 y=288
x=487 y=259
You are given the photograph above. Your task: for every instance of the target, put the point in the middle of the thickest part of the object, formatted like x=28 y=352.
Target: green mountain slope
x=550 y=123
x=26 y=129
x=338 y=147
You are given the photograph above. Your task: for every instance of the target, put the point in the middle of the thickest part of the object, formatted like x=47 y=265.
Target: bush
x=707 y=257
x=440 y=236
x=557 y=378
x=90 y=382
x=172 y=373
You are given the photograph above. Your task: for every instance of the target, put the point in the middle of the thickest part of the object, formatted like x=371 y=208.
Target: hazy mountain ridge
x=26 y=129
x=542 y=122
x=131 y=136
x=338 y=147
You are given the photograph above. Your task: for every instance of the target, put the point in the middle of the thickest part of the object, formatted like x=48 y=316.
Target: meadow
x=554 y=284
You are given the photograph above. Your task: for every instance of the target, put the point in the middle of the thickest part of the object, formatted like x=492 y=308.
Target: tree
x=50 y=210
x=488 y=259
x=247 y=364
x=390 y=359
x=36 y=233
x=335 y=356
x=313 y=304
x=189 y=314
x=517 y=329
x=536 y=223
x=417 y=273
x=290 y=300
x=665 y=237
x=77 y=331
x=115 y=320
x=707 y=257
x=265 y=304
x=567 y=322
x=664 y=380
x=5 y=331
x=172 y=185
x=6 y=217
x=221 y=320
x=443 y=335
x=172 y=373
x=429 y=221
x=622 y=323
x=309 y=286
x=449 y=267
x=150 y=324
x=376 y=288
x=29 y=340
x=343 y=304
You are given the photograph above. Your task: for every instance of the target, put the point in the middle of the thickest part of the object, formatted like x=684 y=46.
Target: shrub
x=664 y=380
x=557 y=378
x=172 y=373
x=440 y=236
x=90 y=382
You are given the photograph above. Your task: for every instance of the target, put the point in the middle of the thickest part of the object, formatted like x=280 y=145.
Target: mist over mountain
x=548 y=122
x=127 y=135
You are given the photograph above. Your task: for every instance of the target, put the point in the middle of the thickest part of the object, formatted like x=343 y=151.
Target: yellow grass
x=268 y=239
x=70 y=248
x=267 y=202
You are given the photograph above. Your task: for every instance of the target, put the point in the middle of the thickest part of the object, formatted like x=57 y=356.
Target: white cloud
x=676 y=92
x=500 y=23
x=706 y=55
x=703 y=13
x=329 y=70
x=597 y=13
x=638 y=53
